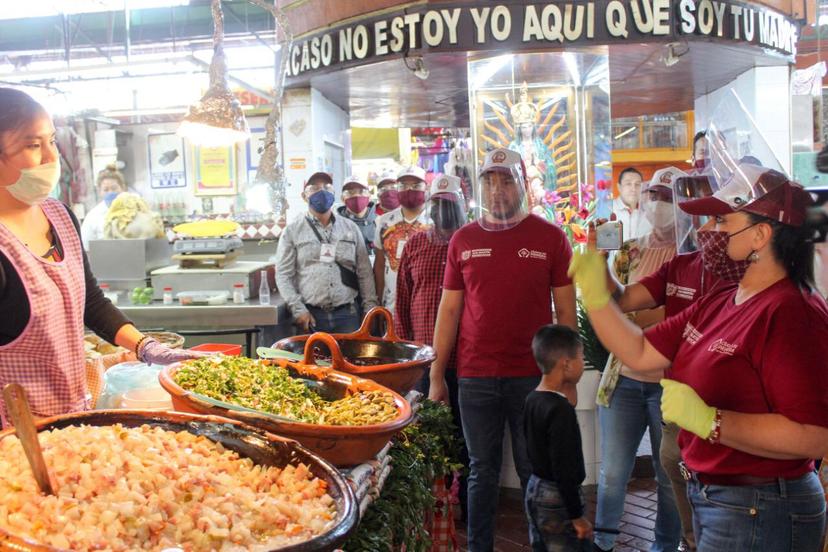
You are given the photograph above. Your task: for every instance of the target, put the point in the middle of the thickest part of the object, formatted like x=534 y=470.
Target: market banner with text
x=536 y=25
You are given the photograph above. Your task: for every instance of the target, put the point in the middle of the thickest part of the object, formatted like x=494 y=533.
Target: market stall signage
x=532 y=25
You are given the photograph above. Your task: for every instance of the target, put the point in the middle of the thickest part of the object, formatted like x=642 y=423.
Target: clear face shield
x=687 y=188
x=503 y=202
x=446 y=213
x=656 y=204
x=737 y=155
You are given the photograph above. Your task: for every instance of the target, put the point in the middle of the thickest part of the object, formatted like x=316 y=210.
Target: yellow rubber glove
x=681 y=405
x=589 y=271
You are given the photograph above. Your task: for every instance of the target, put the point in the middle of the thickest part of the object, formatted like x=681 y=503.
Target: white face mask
x=660 y=214
x=35 y=184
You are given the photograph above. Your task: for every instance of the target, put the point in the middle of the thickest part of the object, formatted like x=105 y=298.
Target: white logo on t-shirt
x=531 y=254
x=474 y=253
x=681 y=292
x=722 y=346
x=691 y=334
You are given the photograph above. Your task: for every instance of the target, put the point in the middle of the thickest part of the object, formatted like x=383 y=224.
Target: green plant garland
x=425 y=450
x=594 y=352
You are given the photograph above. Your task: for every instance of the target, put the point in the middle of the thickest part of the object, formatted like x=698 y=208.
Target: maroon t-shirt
x=679 y=282
x=506 y=277
x=767 y=355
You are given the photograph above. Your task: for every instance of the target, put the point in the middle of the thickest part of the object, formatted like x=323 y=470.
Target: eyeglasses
x=354 y=192
x=418 y=186
x=389 y=186
x=313 y=188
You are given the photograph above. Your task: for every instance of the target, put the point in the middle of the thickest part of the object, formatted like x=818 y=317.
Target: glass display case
x=553 y=108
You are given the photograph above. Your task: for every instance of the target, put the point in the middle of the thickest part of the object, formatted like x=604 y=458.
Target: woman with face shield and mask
x=420 y=285
x=111 y=182
x=746 y=367
x=47 y=292
x=629 y=402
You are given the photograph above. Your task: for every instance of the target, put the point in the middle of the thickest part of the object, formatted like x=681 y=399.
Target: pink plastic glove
x=153 y=352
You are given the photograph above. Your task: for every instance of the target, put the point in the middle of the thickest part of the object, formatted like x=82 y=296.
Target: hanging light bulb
x=217 y=119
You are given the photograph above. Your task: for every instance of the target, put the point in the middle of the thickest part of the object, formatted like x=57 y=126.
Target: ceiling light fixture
x=217 y=119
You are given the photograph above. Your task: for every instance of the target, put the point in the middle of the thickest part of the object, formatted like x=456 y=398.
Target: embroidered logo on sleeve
x=723 y=347
x=680 y=292
x=691 y=334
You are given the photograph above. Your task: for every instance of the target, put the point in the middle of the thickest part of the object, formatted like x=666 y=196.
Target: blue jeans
x=550 y=529
x=486 y=404
x=634 y=407
x=786 y=516
x=344 y=319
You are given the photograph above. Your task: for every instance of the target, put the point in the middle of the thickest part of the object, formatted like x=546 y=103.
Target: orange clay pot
x=340 y=445
x=395 y=363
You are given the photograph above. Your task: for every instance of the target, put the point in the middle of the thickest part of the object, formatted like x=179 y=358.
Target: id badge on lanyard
x=327 y=253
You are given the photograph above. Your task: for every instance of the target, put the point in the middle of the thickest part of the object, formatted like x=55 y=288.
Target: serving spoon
x=23 y=421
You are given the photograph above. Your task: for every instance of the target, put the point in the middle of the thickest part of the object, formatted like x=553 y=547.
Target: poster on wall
x=255 y=147
x=167 y=163
x=215 y=171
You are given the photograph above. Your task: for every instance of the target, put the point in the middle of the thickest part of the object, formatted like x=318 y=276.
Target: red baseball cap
x=759 y=190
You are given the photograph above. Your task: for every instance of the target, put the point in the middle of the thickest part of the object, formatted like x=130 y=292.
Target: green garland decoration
x=425 y=450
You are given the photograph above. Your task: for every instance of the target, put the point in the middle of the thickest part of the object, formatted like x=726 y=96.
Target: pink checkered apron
x=47 y=359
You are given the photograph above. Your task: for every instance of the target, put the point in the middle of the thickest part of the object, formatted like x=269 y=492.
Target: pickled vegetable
x=259 y=386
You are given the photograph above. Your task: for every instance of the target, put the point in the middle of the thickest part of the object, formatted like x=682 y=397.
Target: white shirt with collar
x=635 y=224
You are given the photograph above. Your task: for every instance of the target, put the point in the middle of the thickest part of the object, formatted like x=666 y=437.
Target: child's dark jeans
x=550 y=529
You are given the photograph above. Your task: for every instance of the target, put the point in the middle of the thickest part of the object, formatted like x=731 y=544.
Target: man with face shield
x=746 y=367
x=323 y=265
x=503 y=275
x=628 y=402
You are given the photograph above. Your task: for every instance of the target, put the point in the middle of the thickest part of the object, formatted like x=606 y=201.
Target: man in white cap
x=323 y=265
x=395 y=228
x=388 y=193
x=503 y=275
x=359 y=208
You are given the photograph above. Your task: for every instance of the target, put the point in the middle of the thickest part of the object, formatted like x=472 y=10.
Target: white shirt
x=635 y=224
x=92 y=227
x=393 y=231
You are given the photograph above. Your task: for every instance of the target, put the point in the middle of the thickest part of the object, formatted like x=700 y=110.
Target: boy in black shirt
x=554 y=503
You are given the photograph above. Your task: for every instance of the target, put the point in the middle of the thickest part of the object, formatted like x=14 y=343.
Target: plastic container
x=146 y=399
x=238 y=294
x=216 y=297
x=264 y=289
x=168 y=296
x=223 y=348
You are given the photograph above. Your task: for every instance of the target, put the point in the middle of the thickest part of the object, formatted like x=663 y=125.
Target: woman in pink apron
x=47 y=292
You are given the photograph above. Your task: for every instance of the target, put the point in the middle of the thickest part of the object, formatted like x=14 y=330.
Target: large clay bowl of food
x=132 y=479
x=345 y=419
x=388 y=360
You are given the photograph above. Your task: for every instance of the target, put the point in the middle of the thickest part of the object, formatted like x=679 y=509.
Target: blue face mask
x=321 y=201
x=109 y=197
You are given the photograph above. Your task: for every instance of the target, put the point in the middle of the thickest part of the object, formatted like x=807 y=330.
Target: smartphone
x=609 y=235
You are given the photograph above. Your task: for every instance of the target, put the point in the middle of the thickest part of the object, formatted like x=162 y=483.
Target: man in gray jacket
x=322 y=266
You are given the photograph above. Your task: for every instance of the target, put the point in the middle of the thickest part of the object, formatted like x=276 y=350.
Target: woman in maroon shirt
x=747 y=383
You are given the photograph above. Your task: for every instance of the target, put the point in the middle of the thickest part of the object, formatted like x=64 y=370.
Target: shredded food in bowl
x=149 y=488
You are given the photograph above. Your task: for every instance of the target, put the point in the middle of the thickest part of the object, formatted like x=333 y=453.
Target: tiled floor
x=636 y=523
